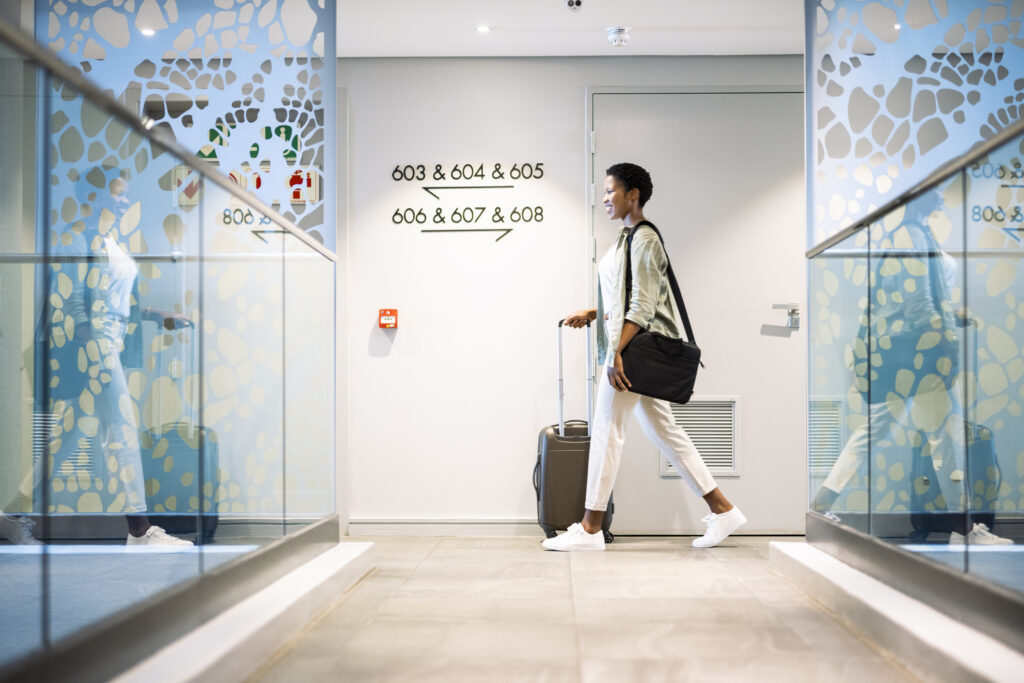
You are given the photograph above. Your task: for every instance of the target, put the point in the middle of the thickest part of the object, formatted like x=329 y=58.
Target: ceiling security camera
x=574 y=5
x=618 y=36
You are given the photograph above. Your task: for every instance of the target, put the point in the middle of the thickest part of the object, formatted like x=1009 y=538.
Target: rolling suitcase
x=560 y=475
x=984 y=478
x=180 y=460
x=171 y=454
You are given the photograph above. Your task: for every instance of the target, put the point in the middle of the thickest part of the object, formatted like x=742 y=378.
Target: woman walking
x=627 y=188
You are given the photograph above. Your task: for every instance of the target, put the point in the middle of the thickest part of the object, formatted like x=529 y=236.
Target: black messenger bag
x=656 y=365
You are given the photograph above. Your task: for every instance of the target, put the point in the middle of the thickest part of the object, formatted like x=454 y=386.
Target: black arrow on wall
x=260 y=233
x=430 y=190
x=503 y=231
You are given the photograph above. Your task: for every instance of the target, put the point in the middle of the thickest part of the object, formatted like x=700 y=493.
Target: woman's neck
x=632 y=218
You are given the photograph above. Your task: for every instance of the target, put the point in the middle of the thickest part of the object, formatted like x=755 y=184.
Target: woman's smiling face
x=616 y=203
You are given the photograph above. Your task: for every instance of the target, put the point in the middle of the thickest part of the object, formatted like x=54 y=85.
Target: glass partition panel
x=309 y=383
x=994 y=366
x=153 y=325
x=23 y=443
x=915 y=368
x=116 y=356
x=243 y=368
x=838 y=407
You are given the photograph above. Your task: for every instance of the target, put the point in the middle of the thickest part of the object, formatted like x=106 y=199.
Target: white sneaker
x=156 y=536
x=575 y=538
x=18 y=530
x=979 y=535
x=720 y=526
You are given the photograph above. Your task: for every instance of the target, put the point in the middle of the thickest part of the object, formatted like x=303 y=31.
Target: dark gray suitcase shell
x=560 y=478
x=187 y=445
x=560 y=475
x=188 y=452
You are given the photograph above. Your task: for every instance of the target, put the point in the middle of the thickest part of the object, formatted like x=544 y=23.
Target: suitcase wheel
x=551 y=534
x=608 y=537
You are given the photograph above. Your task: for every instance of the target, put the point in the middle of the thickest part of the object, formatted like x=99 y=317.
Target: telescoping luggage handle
x=561 y=382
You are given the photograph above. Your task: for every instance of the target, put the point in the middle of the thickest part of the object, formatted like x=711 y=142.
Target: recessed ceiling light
x=483 y=29
x=148 y=32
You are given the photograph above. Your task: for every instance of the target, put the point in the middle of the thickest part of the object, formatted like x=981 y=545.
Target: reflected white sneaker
x=720 y=526
x=979 y=535
x=575 y=538
x=156 y=536
x=18 y=530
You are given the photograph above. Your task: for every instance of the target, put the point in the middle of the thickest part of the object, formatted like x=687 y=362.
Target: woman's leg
x=851 y=466
x=118 y=419
x=672 y=440
x=660 y=427
x=607 y=434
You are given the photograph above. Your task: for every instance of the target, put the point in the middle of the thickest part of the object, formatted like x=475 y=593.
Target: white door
x=729 y=199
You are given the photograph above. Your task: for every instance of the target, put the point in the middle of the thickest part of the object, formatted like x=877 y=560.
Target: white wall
x=444 y=412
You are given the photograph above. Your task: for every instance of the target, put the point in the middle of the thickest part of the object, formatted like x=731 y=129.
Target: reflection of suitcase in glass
x=983 y=478
x=560 y=476
x=181 y=497
x=982 y=488
x=175 y=484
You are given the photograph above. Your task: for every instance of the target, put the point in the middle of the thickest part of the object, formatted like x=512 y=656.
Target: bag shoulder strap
x=671 y=278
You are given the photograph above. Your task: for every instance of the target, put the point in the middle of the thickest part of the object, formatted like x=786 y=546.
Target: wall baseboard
x=468 y=527
x=363 y=526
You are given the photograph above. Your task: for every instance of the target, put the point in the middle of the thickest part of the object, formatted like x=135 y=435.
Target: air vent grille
x=824 y=436
x=82 y=460
x=711 y=423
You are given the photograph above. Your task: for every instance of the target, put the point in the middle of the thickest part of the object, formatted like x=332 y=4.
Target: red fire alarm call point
x=387 y=318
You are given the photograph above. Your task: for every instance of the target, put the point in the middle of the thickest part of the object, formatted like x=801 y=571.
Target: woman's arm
x=649 y=265
x=616 y=376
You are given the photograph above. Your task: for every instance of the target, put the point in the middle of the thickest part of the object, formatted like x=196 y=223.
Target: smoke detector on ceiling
x=618 y=36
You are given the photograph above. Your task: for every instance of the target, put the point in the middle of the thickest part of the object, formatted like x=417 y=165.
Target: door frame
x=590 y=184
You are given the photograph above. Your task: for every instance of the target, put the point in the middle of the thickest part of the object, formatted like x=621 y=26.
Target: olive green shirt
x=651 y=305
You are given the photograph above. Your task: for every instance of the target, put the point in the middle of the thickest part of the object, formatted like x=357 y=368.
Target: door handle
x=792 y=314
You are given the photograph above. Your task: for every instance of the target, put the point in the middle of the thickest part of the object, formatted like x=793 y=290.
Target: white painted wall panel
x=444 y=411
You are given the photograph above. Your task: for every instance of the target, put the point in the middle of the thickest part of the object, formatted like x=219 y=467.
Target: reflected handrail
x=28 y=47
x=941 y=174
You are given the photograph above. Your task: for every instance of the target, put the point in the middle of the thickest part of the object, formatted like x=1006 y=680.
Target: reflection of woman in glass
x=906 y=358
x=626 y=189
x=91 y=334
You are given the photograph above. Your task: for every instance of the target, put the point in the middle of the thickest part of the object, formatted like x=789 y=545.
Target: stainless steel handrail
x=29 y=48
x=942 y=173
x=47 y=259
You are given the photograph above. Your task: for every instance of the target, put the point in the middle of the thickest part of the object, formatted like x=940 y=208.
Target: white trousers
x=943 y=442
x=608 y=433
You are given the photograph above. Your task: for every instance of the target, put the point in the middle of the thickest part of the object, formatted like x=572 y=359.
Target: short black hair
x=632 y=176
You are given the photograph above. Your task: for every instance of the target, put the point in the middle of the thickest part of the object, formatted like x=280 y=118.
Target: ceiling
x=540 y=28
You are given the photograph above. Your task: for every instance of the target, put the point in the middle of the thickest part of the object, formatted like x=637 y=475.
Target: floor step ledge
x=234 y=644
x=928 y=643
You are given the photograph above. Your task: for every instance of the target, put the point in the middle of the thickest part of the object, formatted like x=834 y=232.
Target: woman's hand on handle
x=581 y=318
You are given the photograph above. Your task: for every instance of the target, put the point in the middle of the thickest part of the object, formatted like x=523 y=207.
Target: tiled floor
x=646 y=609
